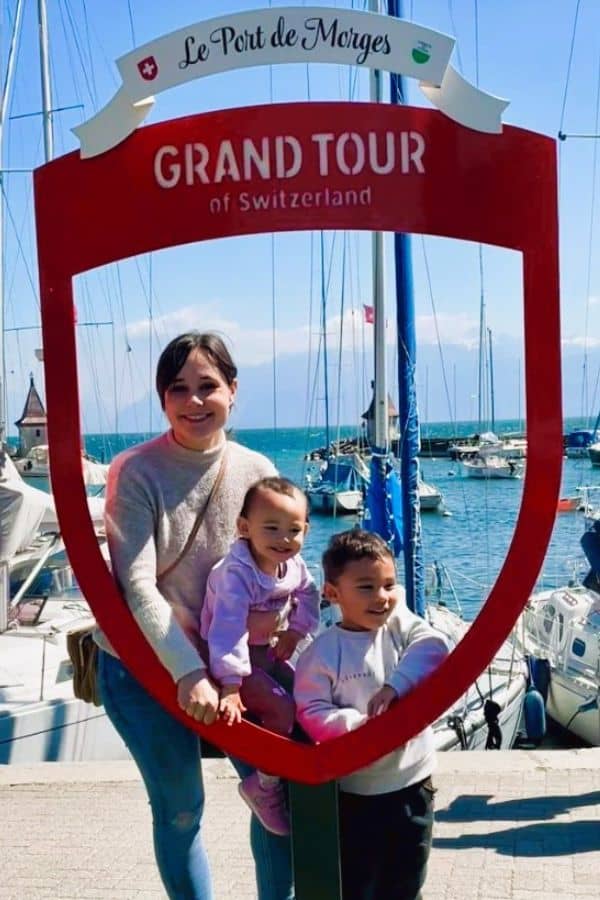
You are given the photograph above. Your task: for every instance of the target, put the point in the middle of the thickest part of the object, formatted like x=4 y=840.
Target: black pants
x=385 y=841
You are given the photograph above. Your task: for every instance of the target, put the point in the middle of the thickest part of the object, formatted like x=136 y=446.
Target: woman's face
x=197 y=403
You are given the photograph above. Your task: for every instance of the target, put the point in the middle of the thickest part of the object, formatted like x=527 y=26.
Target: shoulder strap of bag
x=199 y=518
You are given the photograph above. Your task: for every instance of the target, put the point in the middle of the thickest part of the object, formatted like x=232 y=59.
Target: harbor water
x=469 y=540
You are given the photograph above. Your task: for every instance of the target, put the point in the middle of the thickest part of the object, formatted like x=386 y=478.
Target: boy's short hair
x=352 y=546
x=274 y=483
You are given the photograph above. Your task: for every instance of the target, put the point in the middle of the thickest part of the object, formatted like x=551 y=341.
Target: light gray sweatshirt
x=341 y=670
x=154 y=493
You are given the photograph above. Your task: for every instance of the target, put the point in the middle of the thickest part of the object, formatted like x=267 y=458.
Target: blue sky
x=240 y=286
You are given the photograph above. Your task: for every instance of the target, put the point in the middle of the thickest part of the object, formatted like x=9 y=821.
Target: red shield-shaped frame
x=497 y=189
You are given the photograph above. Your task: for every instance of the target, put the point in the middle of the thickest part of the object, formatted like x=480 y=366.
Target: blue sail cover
x=414 y=570
x=580 y=439
x=414 y=573
x=383 y=512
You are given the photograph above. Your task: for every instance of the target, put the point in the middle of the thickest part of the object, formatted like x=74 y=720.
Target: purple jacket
x=235 y=588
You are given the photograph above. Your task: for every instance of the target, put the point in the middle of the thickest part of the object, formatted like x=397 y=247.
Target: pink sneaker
x=267 y=802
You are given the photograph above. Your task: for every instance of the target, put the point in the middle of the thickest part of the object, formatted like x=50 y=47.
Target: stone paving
x=511 y=825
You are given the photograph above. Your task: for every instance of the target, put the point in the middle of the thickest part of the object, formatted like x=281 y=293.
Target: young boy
x=357 y=669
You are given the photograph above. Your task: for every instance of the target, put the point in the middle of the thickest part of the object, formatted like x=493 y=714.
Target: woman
x=155 y=494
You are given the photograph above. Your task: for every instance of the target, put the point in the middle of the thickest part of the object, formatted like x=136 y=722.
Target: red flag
x=369 y=314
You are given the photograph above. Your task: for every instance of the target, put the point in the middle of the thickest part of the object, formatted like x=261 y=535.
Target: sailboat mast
x=414 y=574
x=6 y=91
x=481 y=386
x=46 y=88
x=492 y=400
x=324 y=339
x=380 y=420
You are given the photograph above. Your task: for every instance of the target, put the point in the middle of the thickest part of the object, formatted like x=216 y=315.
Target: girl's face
x=197 y=403
x=274 y=527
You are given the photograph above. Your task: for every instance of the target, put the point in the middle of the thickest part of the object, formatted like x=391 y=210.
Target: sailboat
x=594 y=448
x=492 y=466
x=336 y=482
x=487 y=455
x=393 y=507
x=560 y=631
x=40 y=719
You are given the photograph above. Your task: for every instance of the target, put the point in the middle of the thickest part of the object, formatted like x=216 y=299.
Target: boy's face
x=275 y=527
x=365 y=593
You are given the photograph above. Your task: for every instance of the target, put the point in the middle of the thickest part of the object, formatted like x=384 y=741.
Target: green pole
x=315 y=841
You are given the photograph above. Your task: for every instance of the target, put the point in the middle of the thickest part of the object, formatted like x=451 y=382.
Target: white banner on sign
x=288 y=35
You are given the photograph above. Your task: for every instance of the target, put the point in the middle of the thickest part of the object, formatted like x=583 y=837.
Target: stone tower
x=32 y=424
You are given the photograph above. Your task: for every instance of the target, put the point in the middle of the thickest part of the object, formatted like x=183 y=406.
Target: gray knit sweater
x=154 y=493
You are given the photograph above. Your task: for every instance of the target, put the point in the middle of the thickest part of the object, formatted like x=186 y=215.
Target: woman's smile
x=197 y=403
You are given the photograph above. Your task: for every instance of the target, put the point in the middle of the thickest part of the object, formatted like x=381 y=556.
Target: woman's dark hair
x=173 y=358
x=352 y=546
x=271 y=483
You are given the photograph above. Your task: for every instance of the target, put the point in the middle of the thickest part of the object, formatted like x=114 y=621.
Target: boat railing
x=439 y=583
x=555 y=638
x=4 y=595
x=51 y=547
x=551 y=579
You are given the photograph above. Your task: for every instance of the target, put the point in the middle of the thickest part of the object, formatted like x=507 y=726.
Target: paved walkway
x=511 y=825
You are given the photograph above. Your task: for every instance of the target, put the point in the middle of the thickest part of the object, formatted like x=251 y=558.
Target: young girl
x=353 y=671
x=262 y=573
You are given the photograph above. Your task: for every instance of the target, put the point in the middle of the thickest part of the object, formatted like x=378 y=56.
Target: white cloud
x=254 y=346
x=580 y=342
x=460 y=329
x=250 y=346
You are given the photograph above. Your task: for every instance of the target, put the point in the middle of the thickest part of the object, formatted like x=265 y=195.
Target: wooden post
x=315 y=841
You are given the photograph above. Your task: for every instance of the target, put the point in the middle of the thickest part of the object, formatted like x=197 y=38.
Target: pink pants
x=266 y=692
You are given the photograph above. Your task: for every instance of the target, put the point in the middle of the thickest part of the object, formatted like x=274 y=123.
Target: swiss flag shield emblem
x=148 y=68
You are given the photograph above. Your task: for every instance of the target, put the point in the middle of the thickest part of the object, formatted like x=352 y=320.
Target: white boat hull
x=562 y=627
x=66 y=730
x=485 y=472
x=464 y=727
x=339 y=502
x=565 y=701
x=40 y=719
x=508 y=694
x=492 y=467
x=429 y=498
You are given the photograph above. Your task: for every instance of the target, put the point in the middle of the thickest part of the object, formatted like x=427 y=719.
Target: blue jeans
x=169 y=759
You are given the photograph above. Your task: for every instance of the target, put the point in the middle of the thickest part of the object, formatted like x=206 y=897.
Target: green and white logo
x=421 y=53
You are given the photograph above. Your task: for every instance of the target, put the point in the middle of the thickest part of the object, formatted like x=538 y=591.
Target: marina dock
x=511 y=825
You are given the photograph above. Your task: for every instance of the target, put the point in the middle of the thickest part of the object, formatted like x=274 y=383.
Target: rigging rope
x=455 y=33
x=341 y=340
x=590 y=245
x=571 y=51
x=131 y=25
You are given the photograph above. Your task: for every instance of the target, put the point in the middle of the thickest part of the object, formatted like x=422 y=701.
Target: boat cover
x=26 y=510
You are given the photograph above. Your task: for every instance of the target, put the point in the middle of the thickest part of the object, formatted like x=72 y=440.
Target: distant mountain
x=254 y=406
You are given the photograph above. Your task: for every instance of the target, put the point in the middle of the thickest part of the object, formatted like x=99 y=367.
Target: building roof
x=392 y=411
x=33 y=413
